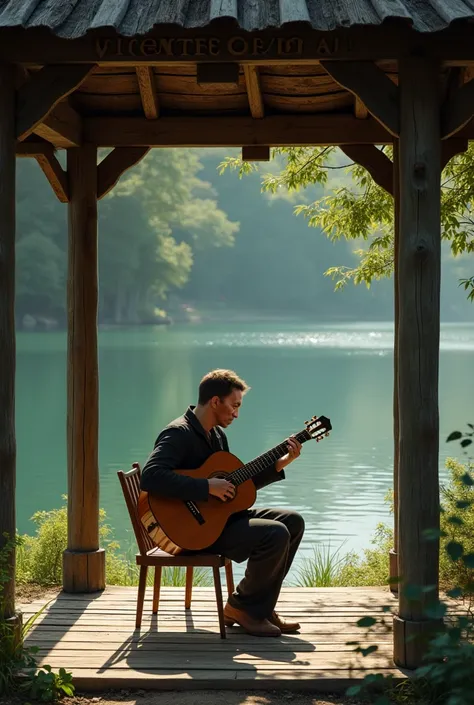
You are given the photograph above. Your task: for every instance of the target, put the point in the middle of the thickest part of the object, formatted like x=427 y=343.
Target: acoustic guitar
x=176 y=526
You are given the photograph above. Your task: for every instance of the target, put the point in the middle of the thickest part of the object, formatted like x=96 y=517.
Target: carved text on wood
x=237 y=47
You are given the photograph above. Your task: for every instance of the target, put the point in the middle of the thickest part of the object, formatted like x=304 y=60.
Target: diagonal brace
x=37 y=98
x=369 y=83
x=115 y=164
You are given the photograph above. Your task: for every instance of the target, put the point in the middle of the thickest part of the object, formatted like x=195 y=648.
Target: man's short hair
x=220 y=383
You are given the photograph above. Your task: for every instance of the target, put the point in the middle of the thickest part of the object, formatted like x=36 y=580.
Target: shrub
x=39 y=557
x=446 y=676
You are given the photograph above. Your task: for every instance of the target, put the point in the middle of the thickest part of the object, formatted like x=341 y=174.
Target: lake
x=149 y=376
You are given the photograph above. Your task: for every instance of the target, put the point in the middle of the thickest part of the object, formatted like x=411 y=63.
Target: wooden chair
x=152 y=557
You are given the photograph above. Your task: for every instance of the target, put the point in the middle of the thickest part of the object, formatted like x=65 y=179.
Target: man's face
x=227 y=408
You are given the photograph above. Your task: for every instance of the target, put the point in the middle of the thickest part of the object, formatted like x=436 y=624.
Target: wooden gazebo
x=131 y=75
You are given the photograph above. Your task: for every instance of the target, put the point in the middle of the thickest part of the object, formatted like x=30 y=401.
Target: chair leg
x=189 y=586
x=229 y=578
x=220 y=604
x=156 y=588
x=141 y=595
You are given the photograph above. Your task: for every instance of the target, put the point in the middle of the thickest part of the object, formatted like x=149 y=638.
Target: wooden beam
x=115 y=164
x=55 y=174
x=7 y=333
x=43 y=91
x=451 y=147
x=273 y=131
x=62 y=127
x=83 y=561
x=360 y=110
x=33 y=148
x=458 y=111
x=418 y=363
x=218 y=73
x=256 y=153
x=149 y=96
x=379 y=166
x=254 y=91
x=393 y=554
x=369 y=83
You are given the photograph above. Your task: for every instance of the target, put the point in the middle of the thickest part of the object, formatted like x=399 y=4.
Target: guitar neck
x=259 y=464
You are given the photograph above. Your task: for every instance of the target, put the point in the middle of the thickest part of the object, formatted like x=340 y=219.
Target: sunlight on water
x=148 y=376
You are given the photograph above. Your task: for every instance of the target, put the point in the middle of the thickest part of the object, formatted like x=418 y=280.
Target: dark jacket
x=184 y=445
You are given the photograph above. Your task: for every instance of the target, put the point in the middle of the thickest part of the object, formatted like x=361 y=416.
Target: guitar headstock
x=318 y=427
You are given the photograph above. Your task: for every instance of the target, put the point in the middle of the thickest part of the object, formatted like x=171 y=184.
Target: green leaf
x=413 y=592
x=454 y=550
x=467 y=480
x=382 y=700
x=457 y=521
x=433 y=534
x=366 y=622
x=454 y=436
x=353 y=690
x=466 y=442
x=463 y=503
x=456 y=592
x=468 y=560
x=436 y=611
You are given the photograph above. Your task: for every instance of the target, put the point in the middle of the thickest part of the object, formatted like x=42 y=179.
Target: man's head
x=221 y=391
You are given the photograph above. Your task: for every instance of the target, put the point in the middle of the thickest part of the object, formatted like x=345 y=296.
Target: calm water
x=149 y=376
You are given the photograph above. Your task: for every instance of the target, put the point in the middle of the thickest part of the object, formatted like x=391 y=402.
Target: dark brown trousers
x=269 y=539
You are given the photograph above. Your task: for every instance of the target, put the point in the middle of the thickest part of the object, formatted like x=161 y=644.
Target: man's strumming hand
x=222 y=489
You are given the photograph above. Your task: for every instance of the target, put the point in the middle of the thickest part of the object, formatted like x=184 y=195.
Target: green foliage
x=322 y=569
x=372 y=568
x=358 y=209
x=468 y=285
x=39 y=557
x=18 y=670
x=47 y=686
x=149 y=227
x=446 y=675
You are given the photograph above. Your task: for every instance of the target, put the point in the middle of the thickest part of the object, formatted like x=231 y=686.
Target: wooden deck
x=94 y=636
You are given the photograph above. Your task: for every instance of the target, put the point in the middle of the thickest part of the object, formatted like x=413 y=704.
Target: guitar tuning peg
x=306 y=423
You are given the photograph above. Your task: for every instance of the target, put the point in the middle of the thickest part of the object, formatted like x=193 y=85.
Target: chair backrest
x=130 y=482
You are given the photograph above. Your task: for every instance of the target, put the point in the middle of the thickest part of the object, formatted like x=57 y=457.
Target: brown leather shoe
x=256 y=627
x=284 y=626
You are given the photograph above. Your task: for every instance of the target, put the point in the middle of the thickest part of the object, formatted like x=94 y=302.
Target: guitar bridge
x=193 y=508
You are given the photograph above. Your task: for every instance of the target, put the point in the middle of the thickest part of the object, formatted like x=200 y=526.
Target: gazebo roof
x=133 y=17
x=194 y=72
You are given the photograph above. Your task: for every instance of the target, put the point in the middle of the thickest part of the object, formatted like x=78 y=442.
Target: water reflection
x=149 y=376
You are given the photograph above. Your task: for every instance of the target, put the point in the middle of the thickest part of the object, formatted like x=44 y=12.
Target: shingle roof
x=73 y=18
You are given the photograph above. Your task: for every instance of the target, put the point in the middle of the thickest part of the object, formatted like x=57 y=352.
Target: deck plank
x=94 y=636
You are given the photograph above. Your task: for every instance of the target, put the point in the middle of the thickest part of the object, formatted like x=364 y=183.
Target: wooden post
x=393 y=557
x=7 y=328
x=83 y=561
x=419 y=324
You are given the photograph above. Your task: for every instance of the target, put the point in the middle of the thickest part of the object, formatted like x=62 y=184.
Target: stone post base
x=410 y=640
x=84 y=571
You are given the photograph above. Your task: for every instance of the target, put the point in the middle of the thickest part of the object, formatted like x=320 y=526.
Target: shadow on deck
x=94 y=636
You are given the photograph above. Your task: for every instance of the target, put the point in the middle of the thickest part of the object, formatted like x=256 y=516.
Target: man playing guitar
x=268 y=538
